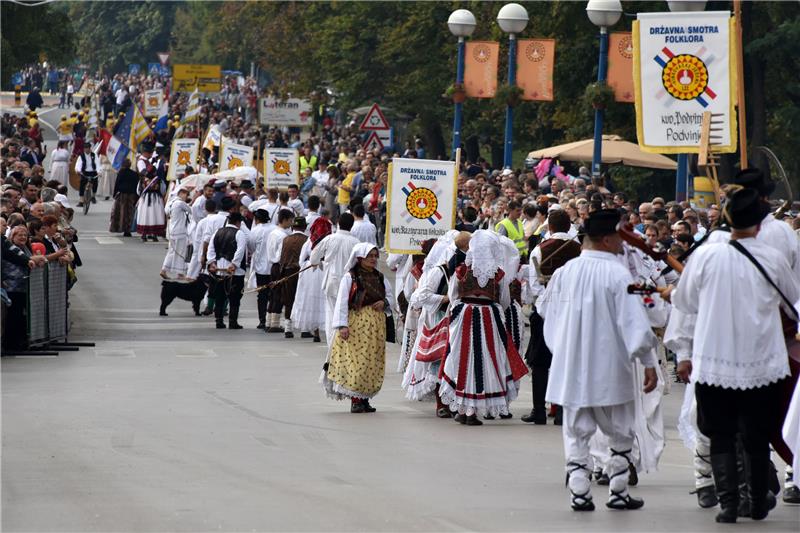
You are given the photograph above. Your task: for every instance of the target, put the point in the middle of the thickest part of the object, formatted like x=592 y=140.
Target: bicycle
x=88 y=193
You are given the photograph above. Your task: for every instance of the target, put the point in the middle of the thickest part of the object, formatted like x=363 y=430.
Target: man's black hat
x=753 y=178
x=745 y=209
x=602 y=222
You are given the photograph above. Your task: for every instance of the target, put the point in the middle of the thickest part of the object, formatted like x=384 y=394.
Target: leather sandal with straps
x=620 y=499
x=579 y=502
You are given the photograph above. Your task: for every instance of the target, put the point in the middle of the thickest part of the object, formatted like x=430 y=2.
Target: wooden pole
x=742 y=114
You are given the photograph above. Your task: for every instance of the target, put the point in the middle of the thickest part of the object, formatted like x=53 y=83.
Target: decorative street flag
x=233 y=155
x=193 y=107
x=281 y=167
x=535 y=60
x=152 y=102
x=683 y=65
x=140 y=129
x=183 y=154
x=422 y=203
x=480 y=68
x=213 y=137
x=620 y=66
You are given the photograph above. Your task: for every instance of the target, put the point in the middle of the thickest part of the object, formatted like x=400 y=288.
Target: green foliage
x=31 y=34
x=598 y=95
x=508 y=95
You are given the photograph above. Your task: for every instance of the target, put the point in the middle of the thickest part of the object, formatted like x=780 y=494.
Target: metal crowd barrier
x=47 y=313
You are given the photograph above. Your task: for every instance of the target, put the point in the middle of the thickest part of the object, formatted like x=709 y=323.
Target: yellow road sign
x=207 y=78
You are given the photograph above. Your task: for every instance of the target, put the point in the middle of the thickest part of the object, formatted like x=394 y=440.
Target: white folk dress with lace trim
x=738 y=341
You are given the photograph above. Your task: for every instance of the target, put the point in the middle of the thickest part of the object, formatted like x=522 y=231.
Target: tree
x=31 y=34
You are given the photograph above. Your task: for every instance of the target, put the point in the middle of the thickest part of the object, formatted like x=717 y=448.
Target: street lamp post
x=682 y=175
x=461 y=23
x=512 y=19
x=602 y=13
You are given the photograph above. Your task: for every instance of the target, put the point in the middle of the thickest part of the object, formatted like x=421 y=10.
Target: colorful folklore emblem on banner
x=152 y=102
x=684 y=65
x=620 y=66
x=422 y=203
x=535 y=60
x=480 y=68
x=281 y=167
x=235 y=155
x=183 y=154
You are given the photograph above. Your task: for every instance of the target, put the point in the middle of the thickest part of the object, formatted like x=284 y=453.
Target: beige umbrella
x=615 y=151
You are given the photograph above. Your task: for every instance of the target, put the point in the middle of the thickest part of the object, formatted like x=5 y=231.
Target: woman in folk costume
x=412 y=313
x=482 y=370
x=180 y=218
x=308 y=313
x=59 y=168
x=357 y=356
x=150 y=217
x=429 y=303
x=513 y=313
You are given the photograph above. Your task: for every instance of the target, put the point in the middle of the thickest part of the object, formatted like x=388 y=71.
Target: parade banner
x=620 y=66
x=281 y=167
x=289 y=112
x=204 y=78
x=213 y=137
x=421 y=203
x=184 y=153
x=480 y=68
x=535 y=60
x=152 y=102
x=684 y=65
x=232 y=155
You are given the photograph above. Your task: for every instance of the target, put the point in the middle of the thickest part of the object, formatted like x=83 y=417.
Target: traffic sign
x=386 y=137
x=163 y=57
x=373 y=141
x=374 y=120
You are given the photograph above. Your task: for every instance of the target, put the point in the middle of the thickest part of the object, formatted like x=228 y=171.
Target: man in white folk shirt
x=335 y=249
x=363 y=229
x=737 y=368
x=595 y=329
x=199 y=204
x=226 y=261
x=257 y=246
x=180 y=216
x=274 y=241
x=313 y=210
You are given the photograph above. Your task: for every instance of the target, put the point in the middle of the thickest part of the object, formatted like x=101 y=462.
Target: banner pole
x=742 y=114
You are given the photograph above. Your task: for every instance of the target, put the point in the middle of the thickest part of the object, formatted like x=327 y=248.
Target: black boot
x=726 y=480
x=538 y=414
x=758 y=468
x=559 y=418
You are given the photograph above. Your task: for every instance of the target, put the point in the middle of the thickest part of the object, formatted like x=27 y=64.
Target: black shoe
x=108 y=198
x=506 y=417
x=162 y=312
x=235 y=325
x=534 y=417
x=460 y=418
x=791 y=494
x=707 y=497
x=144 y=238
x=94 y=200
x=305 y=335
x=153 y=238
x=759 y=468
x=357 y=407
x=601 y=478
x=221 y=325
x=126 y=234
x=726 y=481
x=581 y=502
x=623 y=502
x=317 y=339
x=274 y=329
x=261 y=325
x=207 y=311
x=289 y=335
x=367 y=407
x=80 y=204
x=472 y=420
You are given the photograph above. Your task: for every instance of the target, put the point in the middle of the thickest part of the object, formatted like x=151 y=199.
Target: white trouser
x=616 y=422
x=330 y=307
x=175 y=260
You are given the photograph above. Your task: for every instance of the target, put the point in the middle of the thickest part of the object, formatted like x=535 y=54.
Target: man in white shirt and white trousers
x=257 y=247
x=363 y=228
x=595 y=329
x=180 y=216
x=739 y=360
x=335 y=249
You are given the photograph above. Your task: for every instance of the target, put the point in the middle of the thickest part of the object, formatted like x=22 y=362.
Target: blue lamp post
x=512 y=19
x=682 y=175
x=602 y=13
x=461 y=24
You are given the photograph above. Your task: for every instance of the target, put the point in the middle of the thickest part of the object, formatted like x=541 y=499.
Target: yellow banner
x=620 y=66
x=535 y=60
x=206 y=78
x=480 y=68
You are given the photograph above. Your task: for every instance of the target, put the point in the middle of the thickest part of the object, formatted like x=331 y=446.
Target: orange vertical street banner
x=480 y=68
x=535 y=60
x=620 y=66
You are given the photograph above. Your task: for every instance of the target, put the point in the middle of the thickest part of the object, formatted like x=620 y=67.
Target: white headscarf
x=510 y=259
x=439 y=251
x=484 y=256
x=360 y=251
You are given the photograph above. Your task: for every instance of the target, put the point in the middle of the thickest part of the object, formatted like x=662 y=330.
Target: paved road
x=170 y=425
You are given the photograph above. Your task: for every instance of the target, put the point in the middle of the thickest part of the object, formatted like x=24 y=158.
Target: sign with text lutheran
x=289 y=112
x=683 y=66
x=207 y=78
x=422 y=203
